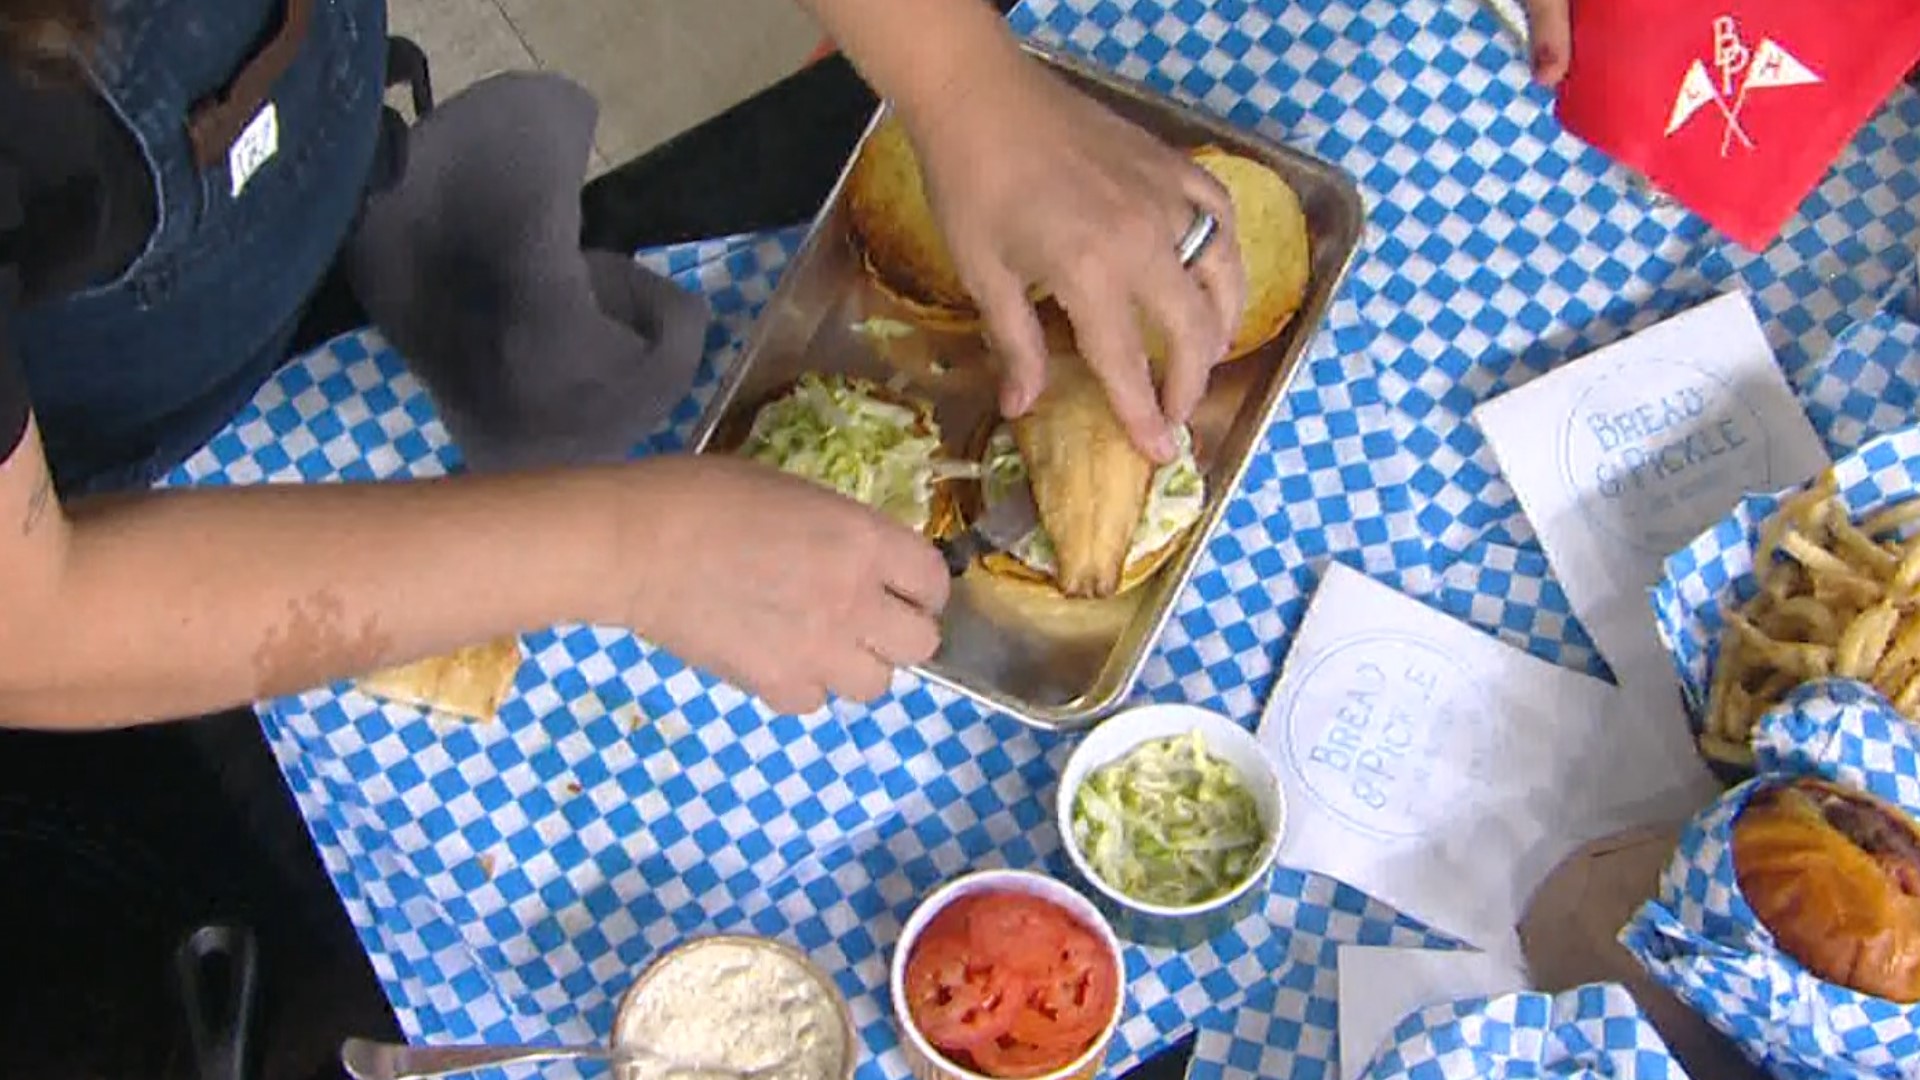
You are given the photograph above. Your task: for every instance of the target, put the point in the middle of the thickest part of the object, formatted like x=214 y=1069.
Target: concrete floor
x=657 y=67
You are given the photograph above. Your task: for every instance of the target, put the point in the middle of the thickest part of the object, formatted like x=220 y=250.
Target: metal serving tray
x=1078 y=664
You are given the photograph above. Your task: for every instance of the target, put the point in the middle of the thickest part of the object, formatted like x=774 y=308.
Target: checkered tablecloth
x=507 y=878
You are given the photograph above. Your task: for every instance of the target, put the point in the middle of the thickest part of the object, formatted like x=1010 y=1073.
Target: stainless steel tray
x=1066 y=668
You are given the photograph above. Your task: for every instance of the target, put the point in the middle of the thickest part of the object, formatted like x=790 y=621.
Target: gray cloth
x=535 y=352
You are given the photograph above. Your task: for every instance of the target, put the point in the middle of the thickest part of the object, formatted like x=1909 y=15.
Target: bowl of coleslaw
x=1173 y=815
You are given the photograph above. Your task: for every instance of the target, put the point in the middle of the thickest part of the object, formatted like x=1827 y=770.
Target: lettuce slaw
x=1169 y=824
x=836 y=432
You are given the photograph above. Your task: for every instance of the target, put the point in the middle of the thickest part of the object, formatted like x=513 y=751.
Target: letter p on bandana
x=1736 y=108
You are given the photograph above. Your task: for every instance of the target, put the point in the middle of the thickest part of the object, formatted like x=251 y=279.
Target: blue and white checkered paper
x=1700 y=939
x=508 y=878
x=1588 y=1033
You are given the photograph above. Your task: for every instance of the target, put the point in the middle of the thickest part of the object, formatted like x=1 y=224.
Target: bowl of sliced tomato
x=1007 y=975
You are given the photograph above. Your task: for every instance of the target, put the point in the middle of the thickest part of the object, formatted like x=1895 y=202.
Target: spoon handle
x=368 y=1060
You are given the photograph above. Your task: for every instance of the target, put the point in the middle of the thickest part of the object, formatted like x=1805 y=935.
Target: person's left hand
x=1037 y=185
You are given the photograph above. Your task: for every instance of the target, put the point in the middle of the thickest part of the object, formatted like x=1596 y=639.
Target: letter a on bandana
x=1737 y=108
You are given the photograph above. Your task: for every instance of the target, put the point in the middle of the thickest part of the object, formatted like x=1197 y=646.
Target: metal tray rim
x=1086 y=711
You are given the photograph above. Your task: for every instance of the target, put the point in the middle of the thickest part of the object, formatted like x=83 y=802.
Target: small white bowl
x=927 y=1063
x=1125 y=732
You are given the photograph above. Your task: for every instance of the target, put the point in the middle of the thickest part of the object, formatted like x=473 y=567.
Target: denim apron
x=131 y=376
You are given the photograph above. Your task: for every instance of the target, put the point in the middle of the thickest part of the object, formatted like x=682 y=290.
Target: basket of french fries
x=1822 y=581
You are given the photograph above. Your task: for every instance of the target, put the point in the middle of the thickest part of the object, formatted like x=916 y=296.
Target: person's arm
x=155 y=606
x=1036 y=185
x=921 y=55
x=166 y=604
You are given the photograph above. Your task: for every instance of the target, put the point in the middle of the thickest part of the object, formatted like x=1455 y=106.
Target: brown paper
x=1569 y=936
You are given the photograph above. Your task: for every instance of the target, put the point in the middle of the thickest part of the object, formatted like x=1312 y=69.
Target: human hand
x=1550 y=27
x=784 y=587
x=1037 y=185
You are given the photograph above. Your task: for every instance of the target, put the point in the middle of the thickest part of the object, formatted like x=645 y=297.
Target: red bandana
x=1736 y=108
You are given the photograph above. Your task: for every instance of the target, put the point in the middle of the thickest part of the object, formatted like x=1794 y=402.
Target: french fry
x=1893 y=519
x=1806 y=660
x=1816 y=559
x=1834 y=597
x=1907 y=574
x=1865 y=641
x=1900 y=656
x=1805 y=618
x=1801 y=509
x=1846 y=589
x=1726 y=750
x=1861 y=551
x=1909 y=698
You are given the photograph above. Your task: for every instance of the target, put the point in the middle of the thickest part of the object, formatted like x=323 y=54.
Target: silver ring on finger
x=1199 y=234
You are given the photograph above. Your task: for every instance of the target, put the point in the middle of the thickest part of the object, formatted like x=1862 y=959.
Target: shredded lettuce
x=880 y=328
x=828 y=430
x=1169 y=824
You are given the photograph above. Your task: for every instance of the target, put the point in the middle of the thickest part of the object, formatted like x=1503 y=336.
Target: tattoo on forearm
x=38 y=502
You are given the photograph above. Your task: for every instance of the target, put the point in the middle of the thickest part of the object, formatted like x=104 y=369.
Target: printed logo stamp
x=1390 y=734
x=1652 y=454
x=1741 y=71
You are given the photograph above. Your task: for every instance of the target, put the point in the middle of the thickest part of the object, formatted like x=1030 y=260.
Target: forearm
x=179 y=603
x=918 y=54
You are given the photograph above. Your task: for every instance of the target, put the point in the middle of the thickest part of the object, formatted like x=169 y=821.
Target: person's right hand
x=777 y=584
x=1550 y=27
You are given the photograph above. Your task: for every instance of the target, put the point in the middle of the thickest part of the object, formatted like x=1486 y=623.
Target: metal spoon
x=365 y=1059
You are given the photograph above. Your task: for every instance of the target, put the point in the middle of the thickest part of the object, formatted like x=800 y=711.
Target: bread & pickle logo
x=1741 y=71
x=1649 y=461
x=1387 y=732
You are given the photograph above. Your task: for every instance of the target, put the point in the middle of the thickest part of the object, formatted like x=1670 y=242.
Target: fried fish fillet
x=1090 y=485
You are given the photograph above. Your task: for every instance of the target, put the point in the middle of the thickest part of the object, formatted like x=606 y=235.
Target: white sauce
x=734 y=1008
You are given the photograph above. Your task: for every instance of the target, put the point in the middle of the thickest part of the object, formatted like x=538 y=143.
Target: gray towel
x=535 y=352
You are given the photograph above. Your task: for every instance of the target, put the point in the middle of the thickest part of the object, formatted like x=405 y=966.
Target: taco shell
x=470 y=683
x=1276 y=250
x=899 y=241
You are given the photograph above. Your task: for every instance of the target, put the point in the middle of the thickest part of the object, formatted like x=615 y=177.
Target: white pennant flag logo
x=1768 y=66
x=1696 y=93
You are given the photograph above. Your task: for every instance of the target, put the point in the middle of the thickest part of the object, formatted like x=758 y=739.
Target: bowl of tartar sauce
x=731 y=1005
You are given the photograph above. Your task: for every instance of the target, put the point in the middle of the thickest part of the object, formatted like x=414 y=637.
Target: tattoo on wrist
x=38 y=502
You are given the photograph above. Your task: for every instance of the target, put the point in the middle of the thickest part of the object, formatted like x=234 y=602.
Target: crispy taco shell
x=1276 y=250
x=898 y=238
x=1834 y=874
x=470 y=683
x=944 y=518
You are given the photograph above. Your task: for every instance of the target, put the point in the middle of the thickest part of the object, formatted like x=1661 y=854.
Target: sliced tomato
x=1019 y=932
x=1068 y=1007
x=956 y=1001
x=1009 y=1058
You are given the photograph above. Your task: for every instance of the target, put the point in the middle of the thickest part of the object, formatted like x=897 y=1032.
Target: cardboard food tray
x=1057 y=665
